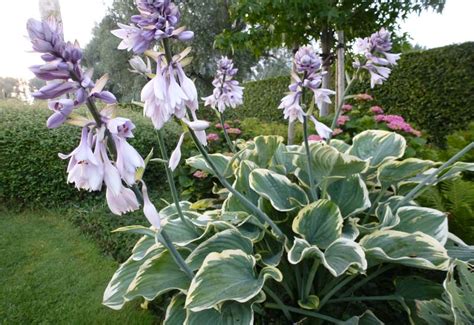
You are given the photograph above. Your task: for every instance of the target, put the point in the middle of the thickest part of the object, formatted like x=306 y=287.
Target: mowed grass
x=51 y=274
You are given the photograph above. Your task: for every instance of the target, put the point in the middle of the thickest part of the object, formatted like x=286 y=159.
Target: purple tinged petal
x=186 y=35
x=106 y=96
x=323 y=131
x=124 y=202
x=149 y=209
x=176 y=154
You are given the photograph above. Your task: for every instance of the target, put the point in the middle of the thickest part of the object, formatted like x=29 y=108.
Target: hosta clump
x=363 y=222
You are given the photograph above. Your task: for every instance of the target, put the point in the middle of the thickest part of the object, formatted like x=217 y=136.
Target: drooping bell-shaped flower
x=292 y=109
x=121 y=127
x=176 y=154
x=85 y=168
x=322 y=130
x=149 y=209
x=128 y=160
x=124 y=202
x=61 y=108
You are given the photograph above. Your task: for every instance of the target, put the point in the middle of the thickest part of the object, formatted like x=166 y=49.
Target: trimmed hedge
x=432 y=88
x=32 y=174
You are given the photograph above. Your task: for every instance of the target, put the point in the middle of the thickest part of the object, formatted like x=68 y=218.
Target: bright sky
x=455 y=25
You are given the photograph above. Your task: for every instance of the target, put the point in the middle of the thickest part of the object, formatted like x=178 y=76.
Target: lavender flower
x=375 y=56
x=128 y=160
x=306 y=60
x=62 y=108
x=227 y=92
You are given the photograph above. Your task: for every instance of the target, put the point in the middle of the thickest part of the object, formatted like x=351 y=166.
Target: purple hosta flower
x=61 y=108
x=128 y=160
x=375 y=56
x=55 y=89
x=125 y=201
x=176 y=154
x=376 y=110
x=347 y=107
x=165 y=97
x=105 y=96
x=307 y=61
x=139 y=66
x=323 y=131
x=85 y=168
x=121 y=127
x=211 y=137
x=45 y=36
x=292 y=109
x=341 y=120
x=227 y=92
x=133 y=38
x=149 y=209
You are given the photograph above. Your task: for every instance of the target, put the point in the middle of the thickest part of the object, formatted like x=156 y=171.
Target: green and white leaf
x=377 y=146
x=227 y=276
x=415 y=250
x=393 y=172
x=278 y=189
x=320 y=223
x=367 y=318
x=350 y=195
x=219 y=160
x=225 y=240
x=460 y=291
x=175 y=312
x=337 y=258
x=157 y=275
x=340 y=145
x=179 y=233
x=144 y=246
x=229 y=313
x=262 y=149
x=242 y=184
x=137 y=229
x=429 y=221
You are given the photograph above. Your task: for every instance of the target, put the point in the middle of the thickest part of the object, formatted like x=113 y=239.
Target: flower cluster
x=307 y=63
x=227 y=92
x=376 y=110
x=158 y=19
x=397 y=123
x=62 y=70
x=341 y=120
x=347 y=107
x=375 y=56
x=90 y=166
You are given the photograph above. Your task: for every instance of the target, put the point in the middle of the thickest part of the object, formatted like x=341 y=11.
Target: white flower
x=323 y=131
x=128 y=160
x=176 y=154
x=123 y=202
x=149 y=209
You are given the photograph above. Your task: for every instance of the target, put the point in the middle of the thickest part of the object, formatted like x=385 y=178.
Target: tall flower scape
x=300 y=233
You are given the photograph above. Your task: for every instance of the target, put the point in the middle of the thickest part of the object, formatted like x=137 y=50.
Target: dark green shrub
x=32 y=174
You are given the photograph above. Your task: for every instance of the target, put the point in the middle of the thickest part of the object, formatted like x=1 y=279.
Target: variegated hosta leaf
x=270 y=250
x=393 y=171
x=229 y=313
x=457 y=249
x=394 y=201
x=378 y=146
x=179 y=233
x=278 y=189
x=328 y=162
x=137 y=229
x=227 y=276
x=262 y=149
x=114 y=295
x=455 y=170
x=434 y=312
x=460 y=291
x=429 y=221
x=350 y=195
x=337 y=258
x=170 y=212
x=219 y=160
x=175 y=312
x=367 y=318
x=320 y=223
x=242 y=185
x=340 y=145
x=227 y=239
x=283 y=157
x=144 y=245
x=416 y=250
x=417 y=288
x=157 y=275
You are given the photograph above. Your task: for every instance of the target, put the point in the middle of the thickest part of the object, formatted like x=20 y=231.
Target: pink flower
x=342 y=120
x=363 y=97
x=416 y=133
x=219 y=126
x=314 y=137
x=200 y=174
x=336 y=131
x=234 y=131
x=376 y=110
x=346 y=107
x=212 y=137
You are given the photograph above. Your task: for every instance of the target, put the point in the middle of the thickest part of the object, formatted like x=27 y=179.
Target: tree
x=7 y=86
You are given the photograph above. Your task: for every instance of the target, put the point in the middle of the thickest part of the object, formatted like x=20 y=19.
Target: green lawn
x=51 y=274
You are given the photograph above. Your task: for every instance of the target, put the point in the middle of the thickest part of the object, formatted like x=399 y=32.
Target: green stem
x=278 y=301
x=413 y=193
x=248 y=204
x=312 y=186
x=171 y=183
x=306 y=313
x=364 y=298
x=367 y=279
x=334 y=290
x=226 y=135
x=339 y=107
x=175 y=254
x=310 y=279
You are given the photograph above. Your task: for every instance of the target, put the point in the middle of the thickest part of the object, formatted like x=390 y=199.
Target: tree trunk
x=292 y=125
x=327 y=43
x=340 y=75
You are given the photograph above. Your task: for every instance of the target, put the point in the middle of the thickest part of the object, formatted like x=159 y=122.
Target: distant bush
x=32 y=174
